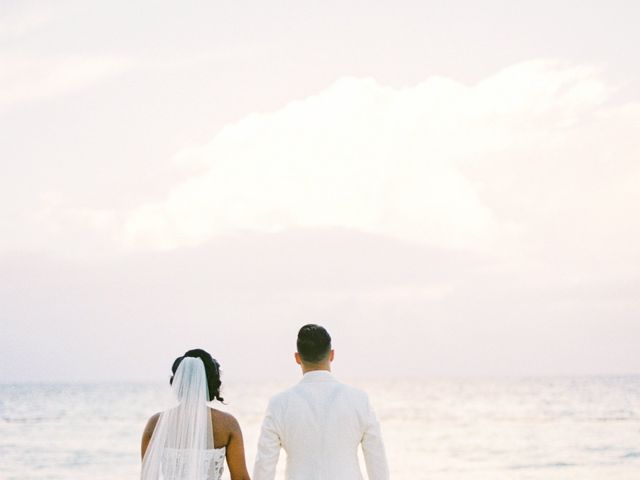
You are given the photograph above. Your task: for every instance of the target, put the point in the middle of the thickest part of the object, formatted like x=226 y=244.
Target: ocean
x=581 y=428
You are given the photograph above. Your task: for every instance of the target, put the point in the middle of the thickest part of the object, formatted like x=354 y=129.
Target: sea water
x=581 y=428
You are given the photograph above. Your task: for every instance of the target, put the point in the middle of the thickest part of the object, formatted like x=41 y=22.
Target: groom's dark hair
x=314 y=343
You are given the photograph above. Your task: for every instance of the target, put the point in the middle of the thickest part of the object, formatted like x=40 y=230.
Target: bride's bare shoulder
x=153 y=420
x=148 y=432
x=225 y=420
x=151 y=423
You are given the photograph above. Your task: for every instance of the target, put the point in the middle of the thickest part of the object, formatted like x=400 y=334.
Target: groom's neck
x=314 y=367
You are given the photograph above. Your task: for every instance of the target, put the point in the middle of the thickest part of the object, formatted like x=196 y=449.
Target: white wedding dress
x=181 y=447
x=211 y=468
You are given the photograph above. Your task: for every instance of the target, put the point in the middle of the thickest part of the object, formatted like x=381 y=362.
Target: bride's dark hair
x=211 y=368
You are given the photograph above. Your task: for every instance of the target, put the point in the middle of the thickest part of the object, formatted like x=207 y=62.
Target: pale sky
x=452 y=188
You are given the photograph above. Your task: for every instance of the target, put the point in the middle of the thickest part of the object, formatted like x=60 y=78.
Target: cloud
x=534 y=164
x=21 y=22
x=26 y=77
x=492 y=166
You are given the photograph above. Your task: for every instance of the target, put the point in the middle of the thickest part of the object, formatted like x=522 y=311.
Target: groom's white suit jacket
x=319 y=423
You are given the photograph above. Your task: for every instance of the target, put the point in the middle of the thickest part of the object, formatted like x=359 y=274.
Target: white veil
x=183 y=437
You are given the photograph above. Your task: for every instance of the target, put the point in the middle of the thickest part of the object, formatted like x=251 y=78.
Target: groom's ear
x=331 y=355
x=298 y=359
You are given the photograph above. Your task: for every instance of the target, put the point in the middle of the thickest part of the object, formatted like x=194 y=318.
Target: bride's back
x=222 y=425
x=191 y=440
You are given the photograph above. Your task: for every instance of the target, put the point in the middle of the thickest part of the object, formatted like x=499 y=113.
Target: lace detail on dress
x=211 y=463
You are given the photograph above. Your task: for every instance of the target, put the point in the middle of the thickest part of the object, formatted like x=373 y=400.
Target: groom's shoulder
x=284 y=394
x=356 y=392
x=280 y=399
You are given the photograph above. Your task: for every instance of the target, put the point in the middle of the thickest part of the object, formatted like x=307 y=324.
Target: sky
x=451 y=188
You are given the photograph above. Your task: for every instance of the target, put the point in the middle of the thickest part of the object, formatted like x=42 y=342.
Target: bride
x=191 y=440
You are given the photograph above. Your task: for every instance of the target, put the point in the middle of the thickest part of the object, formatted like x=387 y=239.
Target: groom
x=320 y=422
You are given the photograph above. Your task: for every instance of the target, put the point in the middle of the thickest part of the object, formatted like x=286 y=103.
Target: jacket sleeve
x=375 y=456
x=268 y=446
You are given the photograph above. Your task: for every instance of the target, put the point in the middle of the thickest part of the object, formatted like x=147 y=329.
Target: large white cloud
x=502 y=163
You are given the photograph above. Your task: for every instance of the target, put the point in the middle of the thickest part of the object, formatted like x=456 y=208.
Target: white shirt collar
x=318 y=376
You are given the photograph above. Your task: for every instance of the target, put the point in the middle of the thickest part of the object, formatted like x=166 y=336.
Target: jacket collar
x=318 y=376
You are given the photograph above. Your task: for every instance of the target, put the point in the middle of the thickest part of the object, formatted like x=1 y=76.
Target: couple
x=319 y=423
